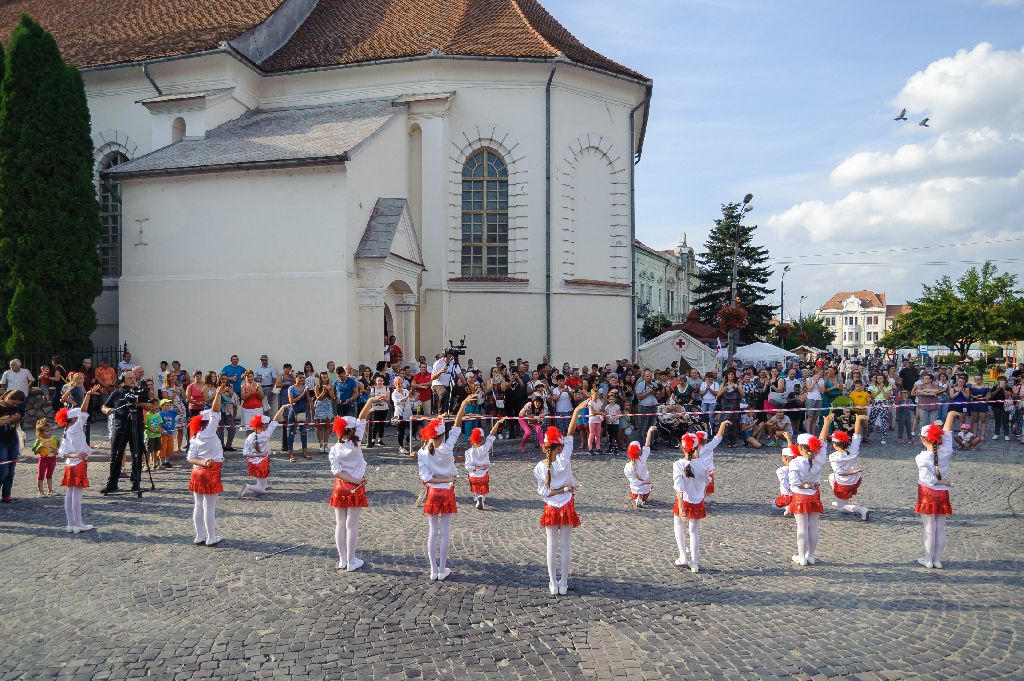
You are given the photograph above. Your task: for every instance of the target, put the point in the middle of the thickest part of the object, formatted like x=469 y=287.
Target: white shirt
x=596 y=408
x=639 y=477
x=803 y=471
x=561 y=476
x=74 y=443
x=444 y=379
x=844 y=462
x=815 y=386
x=693 y=488
x=17 y=380
x=347 y=456
x=926 y=464
x=440 y=464
x=782 y=473
x=707 y=452
x=479 y=456
x=403 y=405
x=563 y=399
x=612 y=412
x=708 y=391
x=123 y=366
x=265 y=375
x=205 y=444
x=257 y=445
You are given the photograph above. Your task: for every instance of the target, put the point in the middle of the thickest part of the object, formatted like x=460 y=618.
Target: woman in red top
x=252 y=398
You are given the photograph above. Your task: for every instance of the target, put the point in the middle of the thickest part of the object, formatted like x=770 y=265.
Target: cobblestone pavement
x=136 y=598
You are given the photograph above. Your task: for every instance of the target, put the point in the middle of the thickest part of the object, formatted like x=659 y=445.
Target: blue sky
x=793 y=101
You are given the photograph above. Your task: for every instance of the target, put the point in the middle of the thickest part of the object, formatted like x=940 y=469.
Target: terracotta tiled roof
x=94 y=32
x=867 y=299
x=354 y=31
x=893 y=310
x=698 y=329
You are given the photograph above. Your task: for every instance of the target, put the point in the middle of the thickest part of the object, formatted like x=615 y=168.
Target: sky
x=794 y=102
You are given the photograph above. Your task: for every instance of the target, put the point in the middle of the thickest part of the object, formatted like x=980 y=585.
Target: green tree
x=982 y=305
x=49 y=216
x=805 y=331
x=715 y=278
x=653 y=325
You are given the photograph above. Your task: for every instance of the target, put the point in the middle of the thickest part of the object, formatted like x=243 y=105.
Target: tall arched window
x=110 y=218
x=485 y=215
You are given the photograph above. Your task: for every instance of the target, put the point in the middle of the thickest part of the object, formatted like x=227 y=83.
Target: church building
x=302 y=177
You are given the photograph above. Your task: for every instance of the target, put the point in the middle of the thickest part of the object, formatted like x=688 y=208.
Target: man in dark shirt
x=909 y=375
x=124 y=404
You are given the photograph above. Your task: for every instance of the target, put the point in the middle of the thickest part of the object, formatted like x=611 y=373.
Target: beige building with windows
x=665 y=280
x=859 y=319
x=462 y=168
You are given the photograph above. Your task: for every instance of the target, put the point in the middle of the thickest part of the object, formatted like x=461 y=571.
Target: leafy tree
x=715 y=278
x=982 y=305
x=806 y=331
x=654 y=325
x=49 y=216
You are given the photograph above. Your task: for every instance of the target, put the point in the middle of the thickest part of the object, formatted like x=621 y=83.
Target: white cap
x=803 y=439
x=74 y=413
x=351 y=422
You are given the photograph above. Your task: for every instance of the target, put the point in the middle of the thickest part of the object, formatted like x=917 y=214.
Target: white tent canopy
x=671 y=346
x=761 y=354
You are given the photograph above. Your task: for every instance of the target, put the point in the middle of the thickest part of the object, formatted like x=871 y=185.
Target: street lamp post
x=745 y=208
x=782 y=295
x=801 y=308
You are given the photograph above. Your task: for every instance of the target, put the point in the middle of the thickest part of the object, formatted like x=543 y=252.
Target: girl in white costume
x=348 y=498
x=804 y=481
x=690 y=477
x=785 y=497
x=436 y=463
x=933 y=487
x=636 y=470
x=75 y=452
x=556 y=486
x=478 y=462
x=206 y=454
x=845 y=476
x=256 y=451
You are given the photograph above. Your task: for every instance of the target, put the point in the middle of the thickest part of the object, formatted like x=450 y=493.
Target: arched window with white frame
x=485 y=215
x=110 y=218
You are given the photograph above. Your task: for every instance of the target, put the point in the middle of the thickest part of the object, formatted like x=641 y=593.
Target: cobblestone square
x=136 y=599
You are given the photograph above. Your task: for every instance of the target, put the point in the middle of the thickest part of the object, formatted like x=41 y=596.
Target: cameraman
x=126 y=404
x=441 y=375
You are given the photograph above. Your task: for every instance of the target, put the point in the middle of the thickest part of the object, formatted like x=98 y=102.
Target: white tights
x=807 y=534
x=73 y=506
x=259 y=488
x=850 y=507
x=559 y=537
x=438 y=556
x=204 y=515
x=346 y=532
x=694 y=531
x=934 y=537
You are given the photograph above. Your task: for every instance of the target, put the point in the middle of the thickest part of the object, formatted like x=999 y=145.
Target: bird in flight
x=924 y=123
x=902 y=116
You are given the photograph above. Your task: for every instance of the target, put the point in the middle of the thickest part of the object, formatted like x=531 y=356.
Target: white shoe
x=694 y=568
x=355 y=564
x=199 y=540
x=924 y=561
x=786 y=512
x=342 y=565
x=443 y=574
x=479 y=503
x=563 y=588
x=84 y=528
x=811 y=560
x=882 y=441
x=937 y=564
x=836 y=504
x=995 y=437
x=799 y=560
x=433 y=576
x=401 y=451
x=636 y=503
x=1006 y=438
x=865 y=514
x=483 y=503
x=680 y=562
x=69 y=528
x=213 y=541
x=553 y=588
x=241 y=493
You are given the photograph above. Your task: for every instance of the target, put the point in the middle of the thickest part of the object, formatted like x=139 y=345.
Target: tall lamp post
x=744 y=209
x=782 y=295
x=801 y=308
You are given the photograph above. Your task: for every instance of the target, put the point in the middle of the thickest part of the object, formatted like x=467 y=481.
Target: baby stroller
x=673 y=425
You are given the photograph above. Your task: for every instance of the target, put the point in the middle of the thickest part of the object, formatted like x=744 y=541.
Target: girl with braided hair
x=636 y=470
x=933 y=487
x=556 y=485
x=804 y=481
x=691 y=476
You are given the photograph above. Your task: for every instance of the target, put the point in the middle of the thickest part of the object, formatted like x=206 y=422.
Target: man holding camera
x=126 y=405
x=443 y=375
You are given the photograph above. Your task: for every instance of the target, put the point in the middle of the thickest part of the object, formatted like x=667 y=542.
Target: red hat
x=256 y=422
x=810 y=441
x=432 y=430
x=339 y=425
x=634 y=450
x=690 y=442
x=841 y=437
x=552 y=436
x=61 y=417
x=195 y=424
x=476 y=437
x=794 y=450
x=701 y=437
x=932 y=433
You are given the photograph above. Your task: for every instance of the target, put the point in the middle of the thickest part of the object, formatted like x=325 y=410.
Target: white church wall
x=236 y=262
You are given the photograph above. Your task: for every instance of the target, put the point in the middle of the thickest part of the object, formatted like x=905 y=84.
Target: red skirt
x=845 y=491
x=710 y=489
x=76 y=476
x=691 y=511
x=440 y=501
x=206 y=480
x=932 y=501
x=806 y=503
x=481 y=485
x=557 y=517
x=348 y=495
x=783 y=500
x=633 y=496
x=259 y=470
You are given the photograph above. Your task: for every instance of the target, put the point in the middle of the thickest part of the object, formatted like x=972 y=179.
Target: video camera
x=454 y=350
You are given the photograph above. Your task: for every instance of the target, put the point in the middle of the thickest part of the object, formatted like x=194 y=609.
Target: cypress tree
x=715 y=278
x=49 y=216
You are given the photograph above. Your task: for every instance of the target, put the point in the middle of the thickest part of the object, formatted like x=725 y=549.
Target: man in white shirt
x=441 y=374
x=266 y=376
x=19 y=379
x=126 y=363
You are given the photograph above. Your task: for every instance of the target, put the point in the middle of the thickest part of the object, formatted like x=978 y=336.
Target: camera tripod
x=453 y=352
x=136 y=444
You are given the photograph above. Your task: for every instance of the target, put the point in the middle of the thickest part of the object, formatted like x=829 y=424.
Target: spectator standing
x=19 y=379
x=234 y=372
x=253 y=398
x=11 y=411
x=346 y=392
x=266 y=376
x=229 y=403
x=126 y=363
x=395 y=353
x=58 y=377
x=285 y=381
x=909 y=375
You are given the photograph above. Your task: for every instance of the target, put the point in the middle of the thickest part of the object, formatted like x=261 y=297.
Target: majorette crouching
x=256 y=451
x=636 y=472
x=691 y=476
x=206 y=454
x=75 y=451
x=348 y=497
x=556 y=485
x=805 y=483
x=436 y=464
x=933 y=484
x=845 y=477
x=478 y=462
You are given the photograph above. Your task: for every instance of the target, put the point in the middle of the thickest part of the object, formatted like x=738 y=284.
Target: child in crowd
x=478 y=462
x=596 y=416
x=168 y=427
x=903 y=412
x=612 y=414
x=861 y=399
x=785 y=497
x=45 y=447
x=748 y=422
x=44 y=379
x=636 y=472
x=154 y=428
x=965 y=439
